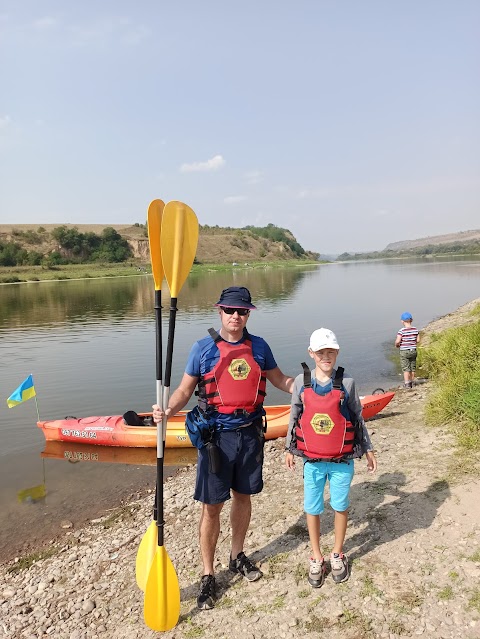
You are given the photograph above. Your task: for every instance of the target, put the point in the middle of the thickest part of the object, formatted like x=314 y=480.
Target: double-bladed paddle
x=178 y=245
x=148 y=545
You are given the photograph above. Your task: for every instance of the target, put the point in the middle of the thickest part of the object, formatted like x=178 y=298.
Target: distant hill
x=450 y=238
x=216 y=245
x=461 y=243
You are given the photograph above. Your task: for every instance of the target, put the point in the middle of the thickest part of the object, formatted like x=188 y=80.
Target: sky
x=351 y=123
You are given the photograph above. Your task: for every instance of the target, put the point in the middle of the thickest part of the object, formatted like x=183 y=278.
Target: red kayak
x=113 y=431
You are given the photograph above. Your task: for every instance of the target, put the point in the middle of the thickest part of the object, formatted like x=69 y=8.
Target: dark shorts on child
x=408 y=359
x=241 y=462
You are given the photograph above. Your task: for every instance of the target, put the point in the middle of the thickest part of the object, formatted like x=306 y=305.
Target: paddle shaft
x=158 y=375
x=166 y=395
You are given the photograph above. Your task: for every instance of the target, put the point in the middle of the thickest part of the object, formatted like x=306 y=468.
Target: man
x=230 y=368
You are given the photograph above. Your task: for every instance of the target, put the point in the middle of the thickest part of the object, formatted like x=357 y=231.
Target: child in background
x=407 y=340
x=328 y=431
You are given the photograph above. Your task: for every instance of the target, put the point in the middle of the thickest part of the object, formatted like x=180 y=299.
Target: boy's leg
x=313 y=525
x=340 y=525
x=340 y=476
x=314 y=478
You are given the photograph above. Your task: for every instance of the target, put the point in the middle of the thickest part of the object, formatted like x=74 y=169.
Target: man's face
x=325 y=359
x=233 y=319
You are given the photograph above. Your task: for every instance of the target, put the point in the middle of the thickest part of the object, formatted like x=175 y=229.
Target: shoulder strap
x=307 y=376
x=217 y=337
x=214 y=335
x=338 y=379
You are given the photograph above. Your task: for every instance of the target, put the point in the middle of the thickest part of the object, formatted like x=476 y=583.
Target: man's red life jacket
x=323 y=432
x=236 y=382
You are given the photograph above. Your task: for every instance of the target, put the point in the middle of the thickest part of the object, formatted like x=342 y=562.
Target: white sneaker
x=316 y=573
x=339 y=566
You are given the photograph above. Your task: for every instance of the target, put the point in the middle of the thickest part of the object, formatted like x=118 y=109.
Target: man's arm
x=178 y=399
x=279 y=380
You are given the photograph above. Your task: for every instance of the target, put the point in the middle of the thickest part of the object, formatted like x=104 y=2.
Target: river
x=90 y=345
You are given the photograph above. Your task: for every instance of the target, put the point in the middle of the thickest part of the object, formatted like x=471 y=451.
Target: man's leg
x=240 y=514
x=209 y=529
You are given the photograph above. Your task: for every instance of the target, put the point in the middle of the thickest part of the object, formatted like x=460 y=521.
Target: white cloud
x=253 y=177
x=234 y=199
x=215 y=163
x=5 y=121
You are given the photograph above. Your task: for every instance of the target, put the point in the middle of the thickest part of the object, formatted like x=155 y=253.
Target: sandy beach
x=413 y=542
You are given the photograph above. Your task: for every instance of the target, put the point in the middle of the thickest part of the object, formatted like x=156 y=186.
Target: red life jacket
x=323 y=432
x=236 y=382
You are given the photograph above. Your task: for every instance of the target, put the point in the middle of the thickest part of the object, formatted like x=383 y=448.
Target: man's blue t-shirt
x=204 y=355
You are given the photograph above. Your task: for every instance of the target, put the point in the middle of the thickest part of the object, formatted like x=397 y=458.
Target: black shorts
x=241 y=458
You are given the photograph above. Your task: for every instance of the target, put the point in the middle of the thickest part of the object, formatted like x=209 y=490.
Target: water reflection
x=45 y=304
x=84 y=453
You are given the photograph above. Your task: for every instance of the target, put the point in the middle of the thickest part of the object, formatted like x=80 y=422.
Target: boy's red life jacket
x=323 y=433
x=236 y=382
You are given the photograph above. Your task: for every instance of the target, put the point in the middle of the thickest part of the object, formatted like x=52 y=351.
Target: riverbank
x=413 y=543
x=31 y=274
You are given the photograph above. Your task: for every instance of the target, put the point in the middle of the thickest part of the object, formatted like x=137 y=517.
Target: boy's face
x=325 y=359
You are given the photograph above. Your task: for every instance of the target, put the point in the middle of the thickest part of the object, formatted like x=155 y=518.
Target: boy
x=407 y=340
x=327 y=429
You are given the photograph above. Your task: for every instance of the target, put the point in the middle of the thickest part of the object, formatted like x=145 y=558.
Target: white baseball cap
x=323 y=338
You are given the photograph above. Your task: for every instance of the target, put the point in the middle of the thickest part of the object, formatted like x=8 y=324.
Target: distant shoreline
x=72 y=272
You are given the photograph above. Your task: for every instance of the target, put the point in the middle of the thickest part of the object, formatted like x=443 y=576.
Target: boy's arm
x=295 y=410
x=355 y=408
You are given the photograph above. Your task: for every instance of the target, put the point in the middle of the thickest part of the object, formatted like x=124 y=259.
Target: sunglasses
x=230 y=311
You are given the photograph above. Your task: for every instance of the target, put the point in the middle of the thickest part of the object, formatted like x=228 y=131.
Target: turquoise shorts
x=315 y=475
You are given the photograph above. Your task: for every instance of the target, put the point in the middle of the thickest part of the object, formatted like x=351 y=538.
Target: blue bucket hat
x=235 y=297
x=405 y=317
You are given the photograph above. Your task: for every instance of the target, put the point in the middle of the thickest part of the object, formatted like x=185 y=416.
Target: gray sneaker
x=245 y=567
x=316 y=573
x=339 y=566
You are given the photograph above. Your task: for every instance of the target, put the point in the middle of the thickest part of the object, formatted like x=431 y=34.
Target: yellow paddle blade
x=161 y=603
x=145 y=554
x=179 y=238
x=154 y=225
x=32 y=494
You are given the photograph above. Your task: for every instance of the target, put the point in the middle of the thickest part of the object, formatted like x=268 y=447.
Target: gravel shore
x=413 y=542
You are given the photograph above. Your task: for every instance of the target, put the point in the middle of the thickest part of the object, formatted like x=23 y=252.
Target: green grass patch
x=475 y=557
x=452 y=360
x=300 y=573
x=275 y=563
x=193 y=630
x=446 y=593
x=474 y=601
x=369 y=589
x=24 y=563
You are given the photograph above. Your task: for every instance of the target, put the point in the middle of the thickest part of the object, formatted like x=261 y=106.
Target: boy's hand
x=371 y=461
x=290 y=461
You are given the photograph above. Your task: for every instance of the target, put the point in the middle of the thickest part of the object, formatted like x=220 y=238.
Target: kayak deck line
x=111 y=430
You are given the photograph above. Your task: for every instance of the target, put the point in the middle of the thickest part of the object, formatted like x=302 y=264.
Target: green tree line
x=73 y=247
x=455 y=248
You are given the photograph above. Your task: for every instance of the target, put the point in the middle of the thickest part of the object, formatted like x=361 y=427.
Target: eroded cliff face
x=140 y=249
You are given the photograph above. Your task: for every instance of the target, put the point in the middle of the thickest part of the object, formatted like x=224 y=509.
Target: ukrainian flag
x=25 y=391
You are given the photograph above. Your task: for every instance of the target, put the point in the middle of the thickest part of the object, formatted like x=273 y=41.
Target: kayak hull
x=112 y=430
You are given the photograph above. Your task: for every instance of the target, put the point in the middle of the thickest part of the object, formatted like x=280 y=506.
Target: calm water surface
x=90 y=346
